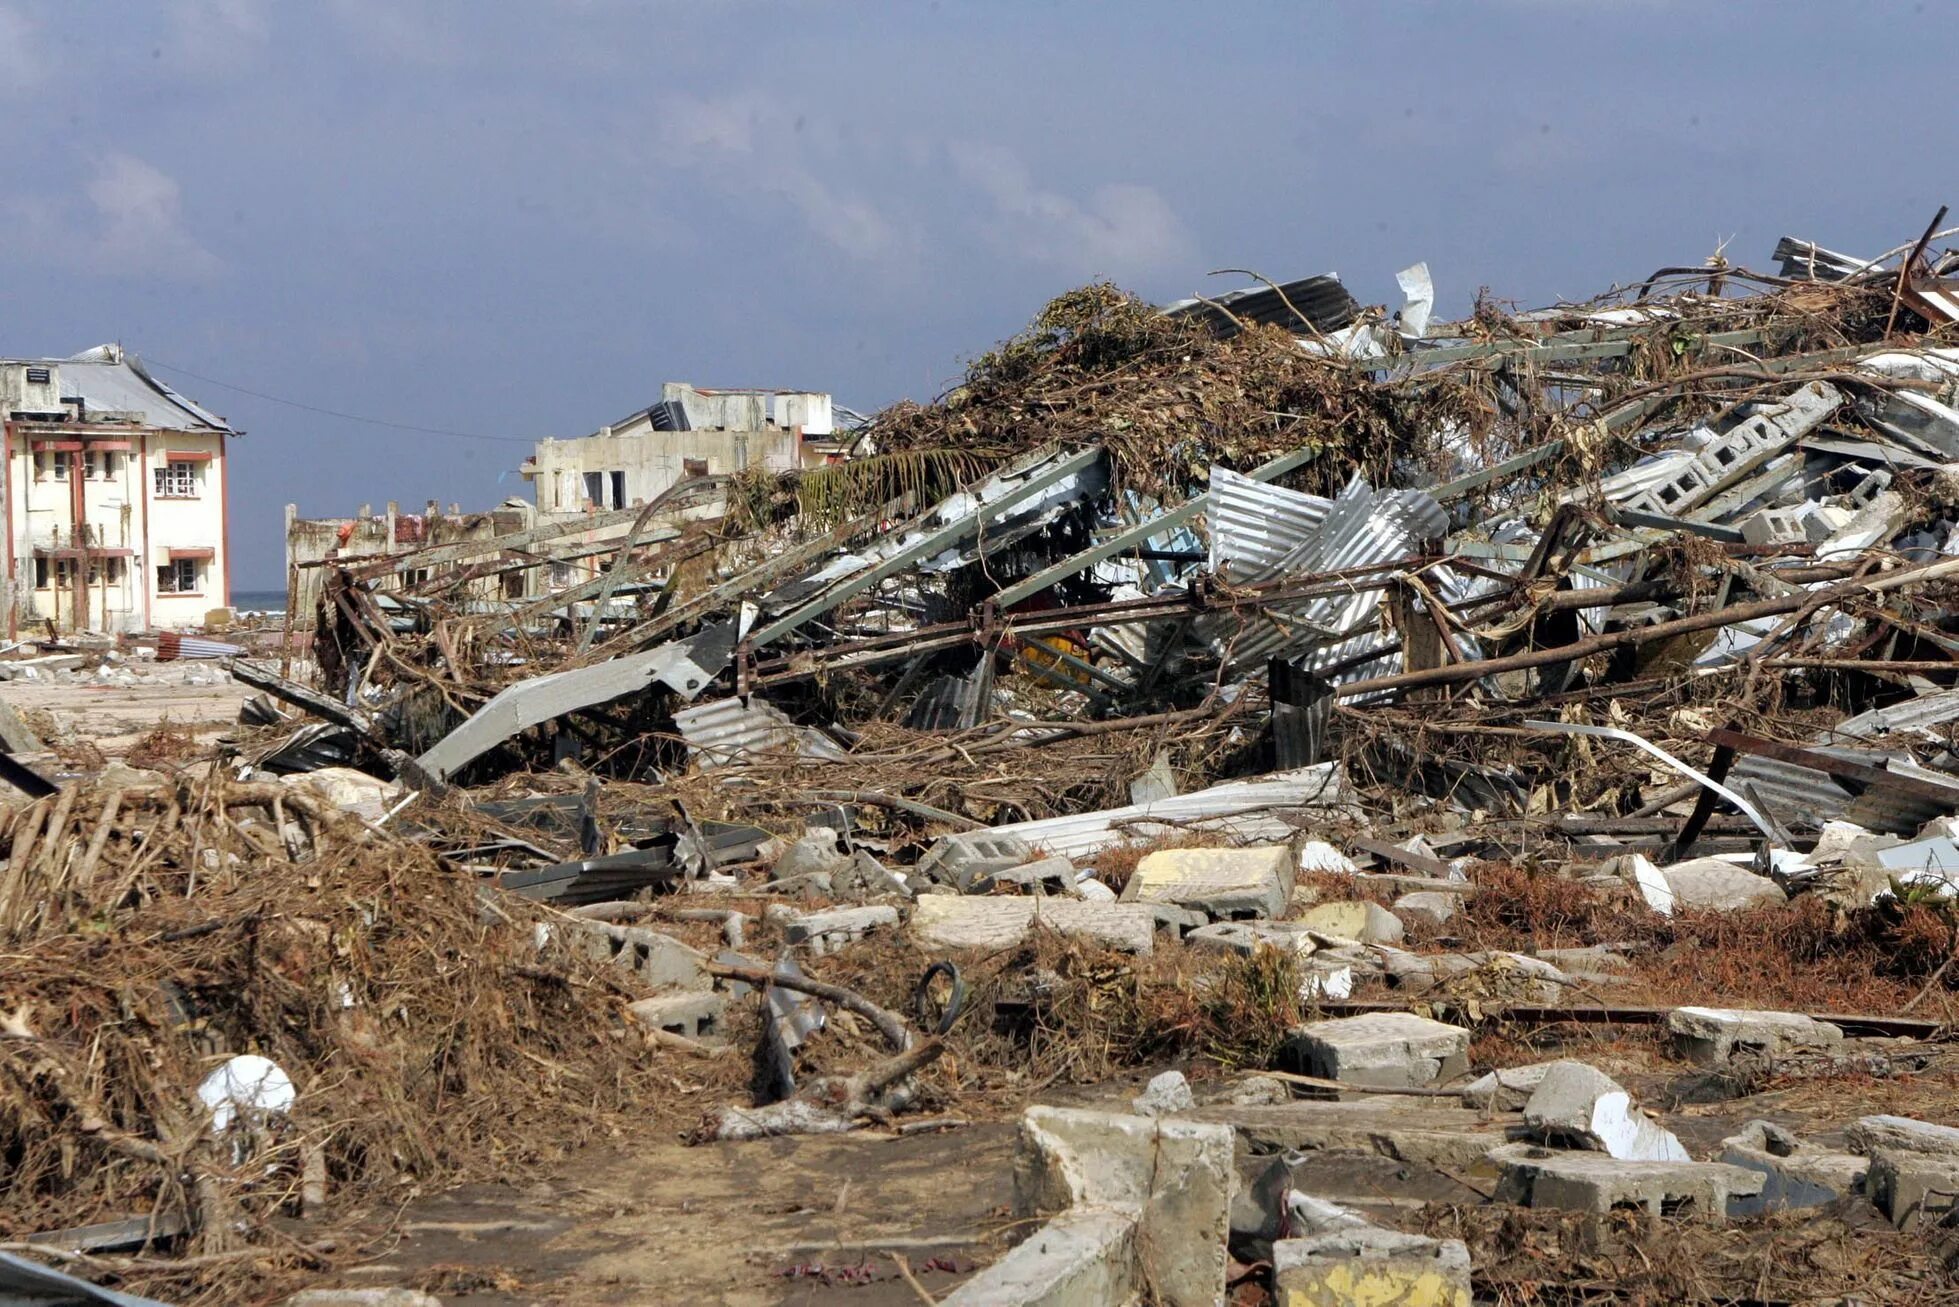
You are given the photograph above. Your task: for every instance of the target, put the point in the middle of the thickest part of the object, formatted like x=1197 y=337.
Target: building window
x=51 y=463
x=61 y=571
x=693 y=467
x=101 y=464
x=102 y=570
x=179 y=576
x=595 y=489
x=38 y=376
x=176 y=481
x=618 y=489
x=40 y=573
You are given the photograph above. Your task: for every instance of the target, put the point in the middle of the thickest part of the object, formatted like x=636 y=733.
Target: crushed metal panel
x=685 y=667
x=728 y=732
x=1917 y=715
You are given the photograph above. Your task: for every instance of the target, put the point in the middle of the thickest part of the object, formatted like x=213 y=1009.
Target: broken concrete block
x=1081 y=1257
x=1709 y=1036
x=829 y=930
x=1913 y=1189
x=1042 y=876
x=1511 y=976
x=815 y=854
x=1174 y=1177
x=694 y=1013
x=1249 y=936
x=1260 y=1090
x=1371 y=1265
x=1506 y=1089
x=957 y=922
x=1369 y=923
x=1383 y=1049
x=1165 y=1094
x=1720 y=886
x=1178 y=921
x=1596 y=1183
x=1902 y=1134
x=1224 y=883
x=1095 y=891
x=951 y=859
x=1427 y=907
x=1795 y=1174
x=1578 y=1106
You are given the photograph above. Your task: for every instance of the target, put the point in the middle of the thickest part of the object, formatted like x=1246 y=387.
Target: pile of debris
x=1269 y=685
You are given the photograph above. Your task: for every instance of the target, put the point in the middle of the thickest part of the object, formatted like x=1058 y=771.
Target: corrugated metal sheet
x=1917 y=716
x=1323 y=301
x=728 y=733
x=1254 y=526
x=1804 y=798
x=1248 y=805
x=107 y=380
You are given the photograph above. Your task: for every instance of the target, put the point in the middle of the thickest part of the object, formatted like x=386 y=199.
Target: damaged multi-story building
x=691 y=432
x=116 y=497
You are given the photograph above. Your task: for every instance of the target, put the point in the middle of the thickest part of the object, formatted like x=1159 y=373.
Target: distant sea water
x=258 y=601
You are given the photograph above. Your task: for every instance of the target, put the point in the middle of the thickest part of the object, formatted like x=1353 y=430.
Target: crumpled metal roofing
x=728 y=732
x=1243 y=808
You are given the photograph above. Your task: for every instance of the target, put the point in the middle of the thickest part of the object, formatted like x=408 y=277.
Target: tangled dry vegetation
x=151 y=937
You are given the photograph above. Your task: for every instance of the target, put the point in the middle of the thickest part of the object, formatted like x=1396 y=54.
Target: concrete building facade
x=116 y=497
x=691 y=432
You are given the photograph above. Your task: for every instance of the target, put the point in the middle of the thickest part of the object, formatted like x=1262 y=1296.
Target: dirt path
x=720 y=1224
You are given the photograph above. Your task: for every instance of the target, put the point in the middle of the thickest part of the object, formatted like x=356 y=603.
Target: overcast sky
x=518 y=219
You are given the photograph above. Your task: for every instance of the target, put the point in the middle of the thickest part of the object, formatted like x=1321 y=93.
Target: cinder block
x=695 y=1013
x=829 y=930
x=955 y=859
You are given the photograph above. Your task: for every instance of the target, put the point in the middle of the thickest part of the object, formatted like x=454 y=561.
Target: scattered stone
x=1710 y=1036
x=1796 y=1174
x=957 y=922
x=1095 y=891
x=1427 y=907
x=1382 y=1049
x=1224 y=883
x=1260 y=1090
x=1578 y=1106
x=1364 y=1266
x=1506 y=1089
x=1367 y=923
x=1165 y=1095
x=1596 y=1183
x=391 y=1297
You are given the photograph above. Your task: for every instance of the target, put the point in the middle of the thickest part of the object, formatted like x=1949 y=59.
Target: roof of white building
x=109 y=380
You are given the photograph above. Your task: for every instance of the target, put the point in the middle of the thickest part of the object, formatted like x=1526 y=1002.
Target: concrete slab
x=1228 y=884
x=1385 y=1049
x=1597 y=1183
x=1083 y=1258
x=1506 y=1089
x=956 y=922
x=1795 y=1174
x=1721 y=886
x=1361 y=1267
x=1579 y=1106
x=1369 y=923
x=1429 y=908
x=1176 y=1176
x=1710 y=1036
x=1913 y=1189
x=1410 y=1130
x=1902 y=1134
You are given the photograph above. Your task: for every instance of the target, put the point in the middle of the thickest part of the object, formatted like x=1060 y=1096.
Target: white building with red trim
x=116 y=498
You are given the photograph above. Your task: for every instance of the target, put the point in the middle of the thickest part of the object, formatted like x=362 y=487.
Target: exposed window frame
x=176 y=480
